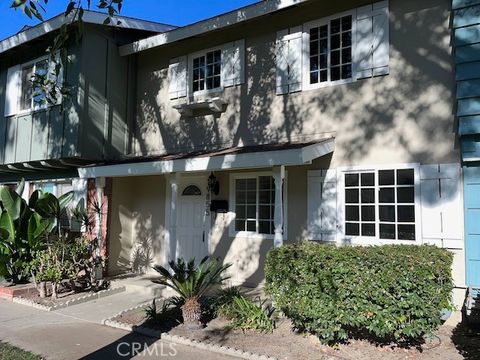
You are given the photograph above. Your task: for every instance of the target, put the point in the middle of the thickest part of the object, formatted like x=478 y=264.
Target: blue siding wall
x=466 y=42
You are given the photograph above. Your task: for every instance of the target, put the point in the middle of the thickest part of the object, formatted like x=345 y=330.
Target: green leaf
x=20 y=187
x=7 y=226
x=12 y=202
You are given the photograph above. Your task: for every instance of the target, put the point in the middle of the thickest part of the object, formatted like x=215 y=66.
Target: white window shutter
x=322 y=205
x=12 y=93
x=372 y=40
x=233 y=63
x=441 y=205
x=289 y=60
x=177 y=77
x=281 y=52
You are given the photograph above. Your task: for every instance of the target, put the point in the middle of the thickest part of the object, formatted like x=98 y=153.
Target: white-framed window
x=380 y=204
x=21 y=96
x=55 y=187
x=330 y=50
x=30 y=96
x=252 y=199
x=329 y=46
x=207 y=70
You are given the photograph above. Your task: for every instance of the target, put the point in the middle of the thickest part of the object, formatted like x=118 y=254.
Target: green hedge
x=391 y=292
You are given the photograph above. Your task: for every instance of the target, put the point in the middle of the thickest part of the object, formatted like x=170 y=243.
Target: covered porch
x=232 y=203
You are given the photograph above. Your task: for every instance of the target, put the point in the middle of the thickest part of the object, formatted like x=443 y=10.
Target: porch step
x=472 y=305
x=140 y=284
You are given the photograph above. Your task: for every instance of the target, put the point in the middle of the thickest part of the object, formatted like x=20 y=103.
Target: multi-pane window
x=360 y=204
x=255 y=204
x=31 y=97
x=207 y=71
x=380 y=204
x=397 y=204
x=331 y=51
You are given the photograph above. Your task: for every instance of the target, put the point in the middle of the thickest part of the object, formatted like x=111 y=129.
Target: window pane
x=387 y=195
x=251 y=225
x=323 y=31
x=210 y=83
x=368 y=196
x=387 y=213
x=386 y=177
x=335 y=44
x=351 y=180
x=351 y=196
x=368 y=179
x=314 y=63
x=335 y=26
x=264 y=212
x=240 y=212
x=346 y=39
x=216 y=82
x=346 y=23
x=251 y=184
x=264 y=227
x=368 y=229
x=313 y=34
x=352 y=213
x=239 y=225
x=346 y=71
x=265 y=182
x=405 y=177
x=323 y=46
x=406 y=213
x=251 y=197
x=323 y=76
x=251 y=211
x=26 y=95
x=335 y=58
x=314 y=77
x=387 y=231
x=406 y=232
x=406 y=195
x=352 y=229
x=313 y=49
x=264 y=197
x=241 y=197
x=368 y=213
x=335 y=73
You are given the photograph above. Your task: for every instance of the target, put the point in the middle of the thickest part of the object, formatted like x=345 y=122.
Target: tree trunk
x=42 y=289
x=54 y=291
x=192 y=313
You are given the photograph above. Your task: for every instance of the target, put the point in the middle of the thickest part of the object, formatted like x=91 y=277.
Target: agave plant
x=191 y=282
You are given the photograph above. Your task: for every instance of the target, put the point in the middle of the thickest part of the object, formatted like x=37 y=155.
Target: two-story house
x=348 y=122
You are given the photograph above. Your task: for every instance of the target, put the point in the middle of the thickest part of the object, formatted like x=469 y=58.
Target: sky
x=175 y=12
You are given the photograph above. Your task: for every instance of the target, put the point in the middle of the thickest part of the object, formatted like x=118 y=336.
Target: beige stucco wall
x=400 y=118
x=136 y=229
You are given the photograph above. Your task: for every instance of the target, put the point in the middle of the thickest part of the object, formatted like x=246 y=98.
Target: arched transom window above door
x=192 y=190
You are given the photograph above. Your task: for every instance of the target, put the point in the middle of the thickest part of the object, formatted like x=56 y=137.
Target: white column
x=100 y=185
x=278 y=176
x=171 y=240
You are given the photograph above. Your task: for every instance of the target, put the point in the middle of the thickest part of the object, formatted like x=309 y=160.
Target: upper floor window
x=207 y=71
x=31 y=96
x=331 y=51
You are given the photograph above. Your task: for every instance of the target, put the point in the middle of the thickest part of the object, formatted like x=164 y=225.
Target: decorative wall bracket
x=202 y=107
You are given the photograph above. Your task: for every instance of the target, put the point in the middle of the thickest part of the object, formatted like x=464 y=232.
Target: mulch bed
x=448 y=344
x=63 y=297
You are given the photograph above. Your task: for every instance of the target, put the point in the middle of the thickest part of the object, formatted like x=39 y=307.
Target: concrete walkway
x=58 y=336
x=106 y=307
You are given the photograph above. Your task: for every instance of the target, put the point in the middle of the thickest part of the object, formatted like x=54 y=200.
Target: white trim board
x=92 y=17
x=261 y=159
x=219 y=22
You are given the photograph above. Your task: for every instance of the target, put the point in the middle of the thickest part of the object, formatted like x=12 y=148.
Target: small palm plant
x=191 y=282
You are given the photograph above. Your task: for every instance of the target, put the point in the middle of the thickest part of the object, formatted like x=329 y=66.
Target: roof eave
x=216 y=23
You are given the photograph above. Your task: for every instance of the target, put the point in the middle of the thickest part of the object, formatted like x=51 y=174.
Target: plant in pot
x=191 y=282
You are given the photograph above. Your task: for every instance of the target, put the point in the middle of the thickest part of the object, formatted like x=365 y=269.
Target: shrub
x=170 y=311
x=392 y=292
x=243 y=313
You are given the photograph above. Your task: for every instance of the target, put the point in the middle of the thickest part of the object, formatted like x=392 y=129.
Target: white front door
x=193 y=224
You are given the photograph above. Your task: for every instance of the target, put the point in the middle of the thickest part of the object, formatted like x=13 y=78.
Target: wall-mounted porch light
x=213 y=184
